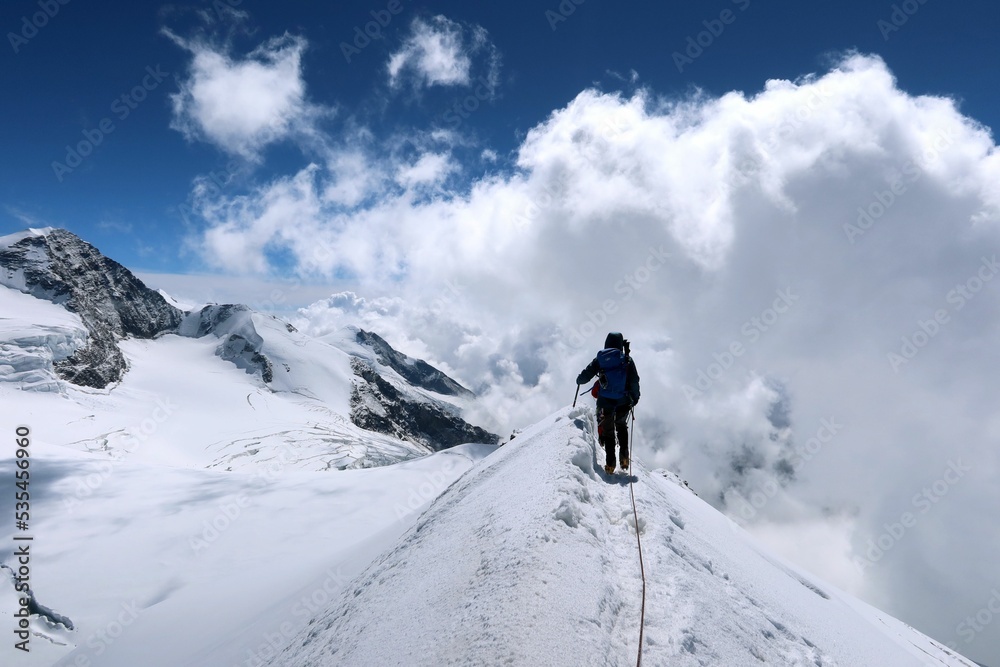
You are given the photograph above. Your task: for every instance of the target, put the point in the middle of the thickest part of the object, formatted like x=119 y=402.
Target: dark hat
x=615 y=340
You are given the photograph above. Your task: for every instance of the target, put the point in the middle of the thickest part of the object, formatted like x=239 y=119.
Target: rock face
x=378 y=405
x=415 y=371
x=241 y=344
x=113 y=304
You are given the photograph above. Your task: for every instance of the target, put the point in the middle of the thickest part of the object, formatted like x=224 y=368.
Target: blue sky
x=126 y=196
x=818 y=221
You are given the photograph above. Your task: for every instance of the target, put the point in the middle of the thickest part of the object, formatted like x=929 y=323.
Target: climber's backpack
x=613 y=374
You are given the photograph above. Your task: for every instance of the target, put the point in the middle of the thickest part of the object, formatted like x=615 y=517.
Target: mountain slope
x=161 y=566
x=415 y=371
x=73 y=321
x=113 y=304
x=397 y=395
x=203 y=503
x=530 y=559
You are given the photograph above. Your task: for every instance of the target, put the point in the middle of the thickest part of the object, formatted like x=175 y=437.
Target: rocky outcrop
x=112 y=303
x=377 y=405
x=241 y=344
x=415 y=371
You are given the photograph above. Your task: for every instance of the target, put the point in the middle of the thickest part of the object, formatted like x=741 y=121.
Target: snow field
x=180 y=405
x=166 y=566
x=192 y=514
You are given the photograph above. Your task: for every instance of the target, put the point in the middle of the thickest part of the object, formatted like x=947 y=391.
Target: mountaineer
x=617 y=392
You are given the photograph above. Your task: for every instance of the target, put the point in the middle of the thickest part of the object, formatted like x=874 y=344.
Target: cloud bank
x=806 y=274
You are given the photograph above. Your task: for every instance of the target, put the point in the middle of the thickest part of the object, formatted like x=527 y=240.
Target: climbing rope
x=635 y=516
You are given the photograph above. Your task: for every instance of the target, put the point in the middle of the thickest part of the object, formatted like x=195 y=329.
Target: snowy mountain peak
x=531 y=558
x=416 y=371
x=82 y=311
x=58 y=266
x=10 y=239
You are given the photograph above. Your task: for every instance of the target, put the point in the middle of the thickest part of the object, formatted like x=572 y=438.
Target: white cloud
x=114 y=225
x=771 y=251
x=434 y=53
x=440 y=52
x=281 y=297
x=354 y=177
x=25 y=218
x=429 y=169
x=243 y=104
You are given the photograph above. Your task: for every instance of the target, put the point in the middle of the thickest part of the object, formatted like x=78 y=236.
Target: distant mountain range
x=389 y=393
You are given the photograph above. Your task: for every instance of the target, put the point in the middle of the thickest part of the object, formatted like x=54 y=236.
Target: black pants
x=614 y=421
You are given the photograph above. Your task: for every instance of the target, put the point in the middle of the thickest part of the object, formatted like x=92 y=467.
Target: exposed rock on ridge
x=415 y=371
x=112 y=303
x=376 y=405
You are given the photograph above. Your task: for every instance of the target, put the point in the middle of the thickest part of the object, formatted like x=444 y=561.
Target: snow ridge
x=530 y=558
x=415 y=371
